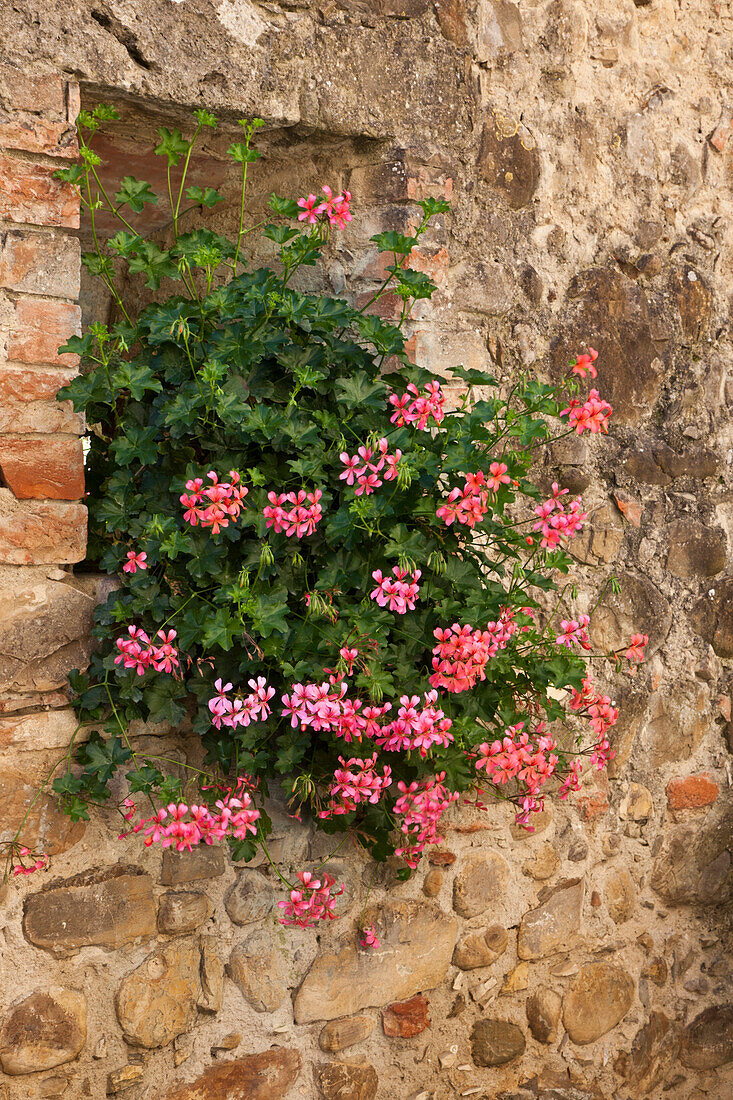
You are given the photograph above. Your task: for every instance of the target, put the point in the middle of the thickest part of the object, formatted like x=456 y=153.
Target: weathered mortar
x=588 y=153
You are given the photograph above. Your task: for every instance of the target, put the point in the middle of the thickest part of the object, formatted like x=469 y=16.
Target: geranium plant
x=335 y=576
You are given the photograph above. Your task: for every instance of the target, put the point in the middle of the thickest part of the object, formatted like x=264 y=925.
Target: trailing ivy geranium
x=335 y=575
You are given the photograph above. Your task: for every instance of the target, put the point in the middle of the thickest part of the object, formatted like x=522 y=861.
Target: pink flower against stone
x=635 y=652
x=593 y=415
x=462 y=653
x=585 y=363
x=574 y=632
x=417 y=409
x=313 y=902
x=182 y=827
x=370 y=937
x=310 y=206
x=356 y=781
x=421 y=806
x=135 y=562
x=469 y=505
x=558 y=522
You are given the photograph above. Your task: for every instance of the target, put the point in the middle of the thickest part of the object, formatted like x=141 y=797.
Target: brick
x=632 y=510
x=41 y=532
x=37 y=468
x=32 y=93
x=40 y=263
x=30 y=195
x=41 y=326
x=692 y=792
x=36 y=135
x=28 y=401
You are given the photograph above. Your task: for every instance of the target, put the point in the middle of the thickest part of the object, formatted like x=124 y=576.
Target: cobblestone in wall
x=587 y=150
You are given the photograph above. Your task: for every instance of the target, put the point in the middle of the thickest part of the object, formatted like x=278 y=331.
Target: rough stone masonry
x=587 y=150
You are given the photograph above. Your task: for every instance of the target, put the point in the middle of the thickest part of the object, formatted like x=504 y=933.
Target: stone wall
x=588 y=153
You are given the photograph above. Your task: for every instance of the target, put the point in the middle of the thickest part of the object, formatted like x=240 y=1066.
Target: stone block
x=46 y=829
x=43 y=468
x=159 y=1000
x=265 y=1076
x=182 y=911
x=481 y=882
x=205 y=861
x=695 y=550
x=29 y=195
x=340 y=1034
x=40 y=263
x=347 y=1081
x=41 y=532
x=45 y=1030
x=550 y=927
x=417 y=942
x=106 y=908
x=509 y=160
x=28 y=401
x=45 y=631
x=259 y=968
x=597 y=1001
x=41 y=326
x=496 y=1042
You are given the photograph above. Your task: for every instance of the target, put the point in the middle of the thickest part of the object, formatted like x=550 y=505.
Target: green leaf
x=172 y=145
x=391 y=241
x=137 y=378
x=284 y=208
x=154 y=263
x=135 y=193
x=204 y=196
x=242 y=154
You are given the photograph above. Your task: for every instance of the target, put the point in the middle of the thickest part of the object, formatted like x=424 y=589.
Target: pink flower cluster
x=300 y=519
x=557 y=522
x=182 y=827
x=225 y=501
x=592 y=415
x=416 y=727
x=470 y=504
x=325 y=707
x=334 y=208
x=39 y=862
x=574 y=632
x=461 y=655
x=367 y=464
x=312 y=902
x=585 y=363
x=241 y=710
x=418 y=409
x=421 y=806
x=138 y=652
x=370 y=937
x=135 y=562
x=354 y=782
x=602 y=715
x=515 y=757
x=398 y=595
x=635 y=652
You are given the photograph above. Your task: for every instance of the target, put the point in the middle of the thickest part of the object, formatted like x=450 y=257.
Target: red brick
x=43 y=468
x=41 y=532
x=32 y=93
x=406 y=1018
x=30 y=195
x=388 y=306
x=28 y=401
x=440 y=857
x=40 y=263
x=36 y=135
x=41 y=326
x=691 y=792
